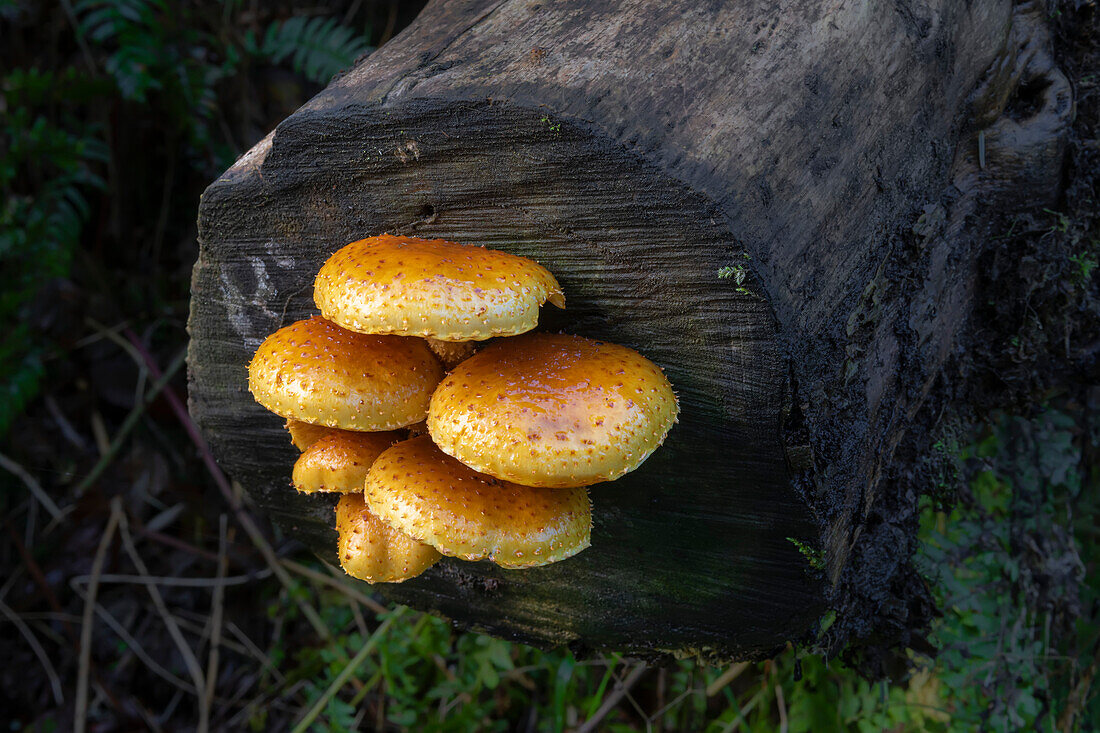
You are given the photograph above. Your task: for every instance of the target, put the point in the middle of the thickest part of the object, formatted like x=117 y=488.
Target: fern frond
x=317 y=47
x=20 y=374
x=105 y=20
x=40 y=227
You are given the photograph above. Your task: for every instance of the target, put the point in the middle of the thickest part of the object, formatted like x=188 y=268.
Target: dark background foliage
x=138 y=591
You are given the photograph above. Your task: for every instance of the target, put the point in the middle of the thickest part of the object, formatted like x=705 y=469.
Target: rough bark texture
x=635 y=148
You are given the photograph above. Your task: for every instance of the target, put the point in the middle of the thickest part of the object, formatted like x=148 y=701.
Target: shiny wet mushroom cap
x=428 y=495
x=303 y=434
x=317 y=372
x=373 y=551
x=553 y=410
x=436 y=288
x=339 y=460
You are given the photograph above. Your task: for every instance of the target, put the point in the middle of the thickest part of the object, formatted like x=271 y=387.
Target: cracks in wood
x=427 y=68
x=1023 y=112
x=428 y=216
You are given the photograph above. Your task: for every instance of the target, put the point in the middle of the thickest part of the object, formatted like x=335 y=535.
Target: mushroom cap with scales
x=304 y=434
x=432 y=288
x=339 y=460
x=373 y=551
x=426 y=494
x=553 y=410
x=316 y=372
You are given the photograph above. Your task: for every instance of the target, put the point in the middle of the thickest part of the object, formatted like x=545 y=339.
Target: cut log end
x=688 y=552
x=736 y=192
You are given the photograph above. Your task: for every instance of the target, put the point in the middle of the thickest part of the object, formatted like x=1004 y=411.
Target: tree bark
x=845 y=156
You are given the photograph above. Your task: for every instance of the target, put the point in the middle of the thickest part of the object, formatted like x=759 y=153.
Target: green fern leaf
x=317 y=47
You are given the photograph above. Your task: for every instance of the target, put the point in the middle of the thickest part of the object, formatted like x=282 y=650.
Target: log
x=779 y=203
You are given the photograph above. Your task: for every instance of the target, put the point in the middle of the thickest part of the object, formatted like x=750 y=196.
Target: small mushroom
x=553 y=410
x=417 y=489
x=373 y=551
x=338 y=461
x=316 y=372
x=436 y=288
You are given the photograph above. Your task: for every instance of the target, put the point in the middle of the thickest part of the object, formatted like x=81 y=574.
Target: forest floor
x=138 y=589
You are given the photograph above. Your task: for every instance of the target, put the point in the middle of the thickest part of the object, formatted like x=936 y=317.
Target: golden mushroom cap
x=421 y=287
x=553 y=410
x=373 y=551
x=339 y=461
x=425 y=493
x=317 y=372
x=303 y=434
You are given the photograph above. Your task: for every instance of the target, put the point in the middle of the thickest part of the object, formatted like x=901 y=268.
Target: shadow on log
x=845 y=157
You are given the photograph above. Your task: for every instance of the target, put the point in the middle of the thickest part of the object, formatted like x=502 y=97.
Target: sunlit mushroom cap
x=339 y=461
x=303 y=434
x=317 y=372
x=373 y=551
x=553 y=410
x=420 y=287
x=421 y=491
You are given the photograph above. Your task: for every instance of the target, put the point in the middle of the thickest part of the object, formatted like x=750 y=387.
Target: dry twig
x=81 y=713
x=135 y=646
x=31 y=483
x=43 y=658
x=230 y=496
x=609 y=703
x=170 y=581
x=129 y=423
x=336 y=583
x=169 y=623
x=218 y=602
x=726 y=677
x=781 y=704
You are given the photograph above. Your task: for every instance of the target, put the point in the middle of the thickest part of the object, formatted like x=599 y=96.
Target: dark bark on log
x=634 y=149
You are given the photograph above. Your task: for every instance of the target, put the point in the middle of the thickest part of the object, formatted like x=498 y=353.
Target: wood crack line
x=416 y=76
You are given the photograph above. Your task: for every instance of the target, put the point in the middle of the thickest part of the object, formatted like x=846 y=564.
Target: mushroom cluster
x=439 y=447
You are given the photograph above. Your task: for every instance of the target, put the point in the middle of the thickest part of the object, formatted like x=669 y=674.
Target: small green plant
x=739 y=273
x=999 y=668
x=814 y=556
x=1061 y=221
x=554 y=126
x=1084 y=263
x=945 y=466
